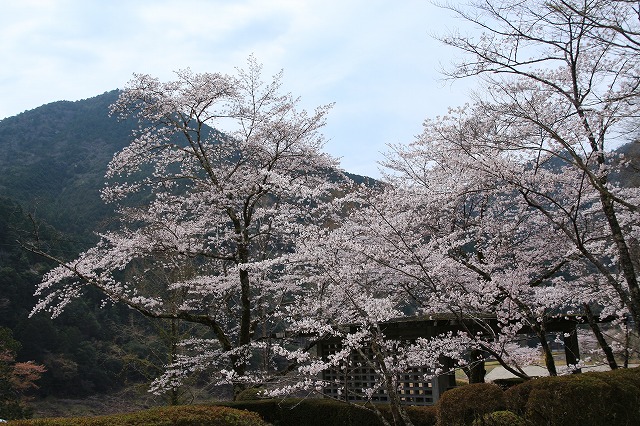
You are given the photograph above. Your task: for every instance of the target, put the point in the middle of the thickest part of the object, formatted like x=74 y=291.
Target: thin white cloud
x=374 y=58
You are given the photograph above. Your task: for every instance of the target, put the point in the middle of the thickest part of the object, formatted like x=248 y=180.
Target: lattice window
x=348 y=381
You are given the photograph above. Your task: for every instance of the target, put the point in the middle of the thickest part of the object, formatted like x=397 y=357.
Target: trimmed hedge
x=463 y=405
x=423 y=416
x=187 y=415
x=596 y=399
x=326 y=412
x=500 y=418
x=609 y=398
x=605 y=398
x=289 y=412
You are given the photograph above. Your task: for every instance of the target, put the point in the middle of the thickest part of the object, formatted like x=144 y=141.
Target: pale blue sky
x=376 y=59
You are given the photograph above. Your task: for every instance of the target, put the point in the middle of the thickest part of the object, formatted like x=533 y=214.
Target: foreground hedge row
x=188 y=415
x=591 y=399
x=308 y=412
x=325 y=412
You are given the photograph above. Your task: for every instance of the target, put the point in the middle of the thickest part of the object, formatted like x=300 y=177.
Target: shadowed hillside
x=54 y=157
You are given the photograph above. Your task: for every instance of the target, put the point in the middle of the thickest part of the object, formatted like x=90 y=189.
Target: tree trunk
x=174 y=397
x=476 y=371
x=245 y=301
x=398 y=414
x=546 y=349
x=595 y=328
x=624 y=258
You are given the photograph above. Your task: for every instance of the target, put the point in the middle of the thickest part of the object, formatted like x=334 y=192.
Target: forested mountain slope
x=631 y=175
x=77 y=348
x=53 y=160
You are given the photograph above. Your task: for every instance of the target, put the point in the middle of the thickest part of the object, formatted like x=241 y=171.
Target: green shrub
x=516 y=397
x=623 y=401
x=603 y=398
x=326 y=412
x=509 y=383
x=419 y=415
x=308 y=412
x=461 y=406
x=188 y=415
x=500 y=418
x=628 y=375
x=289 y=412
x=572 y=400
x=423 y=416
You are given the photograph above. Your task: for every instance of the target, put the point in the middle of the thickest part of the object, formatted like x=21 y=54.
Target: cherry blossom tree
x=504 y=207
x=619 y=16
x=530 y=271
x=451 y=233
x=207 y=220
x=560 y=92
x=451 y=245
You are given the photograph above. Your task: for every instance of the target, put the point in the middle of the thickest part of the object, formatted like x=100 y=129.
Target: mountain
x=630 y=176
x=77 y=348
x=53 y=160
